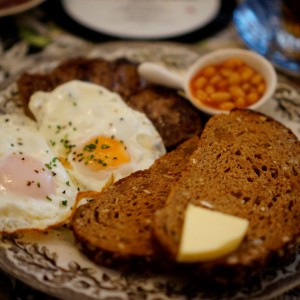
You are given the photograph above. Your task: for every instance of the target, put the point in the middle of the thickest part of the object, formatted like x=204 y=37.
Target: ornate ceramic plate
x=51 y=262
x=11 y=7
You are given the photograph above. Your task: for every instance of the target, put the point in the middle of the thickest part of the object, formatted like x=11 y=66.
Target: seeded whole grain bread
x=115 y=229
x=174 y=118
x=247 y=165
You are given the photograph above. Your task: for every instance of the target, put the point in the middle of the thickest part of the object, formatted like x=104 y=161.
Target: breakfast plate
x=10 y=7
x=53 y=263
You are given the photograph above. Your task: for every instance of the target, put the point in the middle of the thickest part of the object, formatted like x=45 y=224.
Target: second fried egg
x=96 y=136
x=35 y=190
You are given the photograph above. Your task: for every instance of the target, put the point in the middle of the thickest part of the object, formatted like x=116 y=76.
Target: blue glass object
x=257 y=22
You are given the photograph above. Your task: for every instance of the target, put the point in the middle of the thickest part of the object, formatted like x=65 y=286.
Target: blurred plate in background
x=149 y=20
x=143 y=19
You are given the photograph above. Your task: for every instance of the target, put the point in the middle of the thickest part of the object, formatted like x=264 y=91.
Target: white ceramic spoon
x=160 y=75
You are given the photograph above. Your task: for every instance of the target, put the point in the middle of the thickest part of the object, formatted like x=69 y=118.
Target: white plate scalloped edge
x=53 y=263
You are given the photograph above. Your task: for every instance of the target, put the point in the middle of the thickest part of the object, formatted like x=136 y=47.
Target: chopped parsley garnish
x=90 y=147
x=64 y=202
x=58 y=128
x=48 y=166
x=105 y=146
x=51 y=164
x=100 y=161
x=52 y=143
x=89 y=154
x=48 y=198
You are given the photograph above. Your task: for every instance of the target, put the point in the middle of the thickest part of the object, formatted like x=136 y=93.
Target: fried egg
x=97 y=137
x=35 y=190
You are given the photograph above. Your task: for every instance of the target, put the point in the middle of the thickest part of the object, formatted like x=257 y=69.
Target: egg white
x=20 y=138
x=77 y=112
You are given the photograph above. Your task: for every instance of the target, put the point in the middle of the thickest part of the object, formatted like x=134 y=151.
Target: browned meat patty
x=174 y=118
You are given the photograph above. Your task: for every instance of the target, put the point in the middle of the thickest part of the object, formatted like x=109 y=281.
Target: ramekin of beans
x=230 y=78
x=221 y=80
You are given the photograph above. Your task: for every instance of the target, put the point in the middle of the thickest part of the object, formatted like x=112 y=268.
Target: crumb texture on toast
x=247 y=165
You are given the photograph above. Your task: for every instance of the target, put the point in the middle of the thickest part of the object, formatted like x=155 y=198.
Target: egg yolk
x=24 y=175
x=101 y=153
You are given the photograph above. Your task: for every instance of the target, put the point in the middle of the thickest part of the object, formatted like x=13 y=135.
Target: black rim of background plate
x=55 y=9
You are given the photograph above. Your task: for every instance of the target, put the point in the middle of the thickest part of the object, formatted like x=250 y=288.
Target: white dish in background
x=143 y=19
x=18 y=8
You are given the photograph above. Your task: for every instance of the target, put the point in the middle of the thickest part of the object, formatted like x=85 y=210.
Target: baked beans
x=227 y=85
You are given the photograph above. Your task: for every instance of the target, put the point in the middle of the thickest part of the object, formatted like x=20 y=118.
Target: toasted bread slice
x=116 y=226
x=246 y=165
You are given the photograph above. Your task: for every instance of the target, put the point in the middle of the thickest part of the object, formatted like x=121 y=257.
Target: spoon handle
x=160 y=75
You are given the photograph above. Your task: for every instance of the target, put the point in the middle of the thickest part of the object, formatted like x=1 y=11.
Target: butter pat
x=208 y=234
